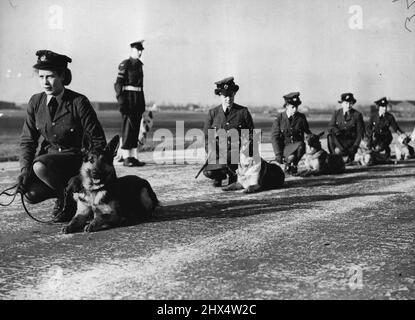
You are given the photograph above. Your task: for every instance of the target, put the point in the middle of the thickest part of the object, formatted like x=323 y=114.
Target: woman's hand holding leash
x=22 y=180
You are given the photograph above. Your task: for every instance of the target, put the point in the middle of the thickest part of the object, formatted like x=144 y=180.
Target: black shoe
x=68 y=209
x=133 y=162
x=58 y=207
x=217 y=183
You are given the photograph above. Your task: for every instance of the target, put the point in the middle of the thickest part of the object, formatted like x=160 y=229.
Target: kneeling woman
x=62 y=117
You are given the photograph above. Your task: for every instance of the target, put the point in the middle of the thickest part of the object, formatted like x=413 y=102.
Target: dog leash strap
x=22 y=199
x=30 y=215
x=9 y=194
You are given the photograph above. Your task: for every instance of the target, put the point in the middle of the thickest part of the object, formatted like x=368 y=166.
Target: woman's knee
x=39 y=169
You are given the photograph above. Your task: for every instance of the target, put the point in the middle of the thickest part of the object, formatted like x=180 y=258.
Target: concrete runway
x=348 y=236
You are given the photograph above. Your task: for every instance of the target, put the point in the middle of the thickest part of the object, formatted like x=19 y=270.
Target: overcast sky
x=271 y=47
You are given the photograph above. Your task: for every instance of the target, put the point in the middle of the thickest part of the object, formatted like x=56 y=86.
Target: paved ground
x=349 y=236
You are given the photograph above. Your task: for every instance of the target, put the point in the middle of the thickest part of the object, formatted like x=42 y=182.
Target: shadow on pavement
x=338 y=180
x=248 y=207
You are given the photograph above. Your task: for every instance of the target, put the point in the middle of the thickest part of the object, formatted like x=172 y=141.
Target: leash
x=5 y=192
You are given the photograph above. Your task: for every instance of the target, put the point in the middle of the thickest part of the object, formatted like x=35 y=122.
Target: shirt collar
x=224 y=109
x=290 y=115
x=58 y=97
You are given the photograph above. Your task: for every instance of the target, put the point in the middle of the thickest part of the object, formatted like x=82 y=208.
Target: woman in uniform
x=287 y=133
x=380 y=126
x=228 y=119
x=346 y=129
x=61 y=117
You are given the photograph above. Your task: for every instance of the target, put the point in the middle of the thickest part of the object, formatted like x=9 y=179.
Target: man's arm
x=121 y=77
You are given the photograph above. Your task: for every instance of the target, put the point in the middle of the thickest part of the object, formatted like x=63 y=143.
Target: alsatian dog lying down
x=105 y=201
x=317 y=161
x=255 y=174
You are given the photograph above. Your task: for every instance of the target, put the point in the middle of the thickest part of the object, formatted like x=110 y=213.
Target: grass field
x=11 y=123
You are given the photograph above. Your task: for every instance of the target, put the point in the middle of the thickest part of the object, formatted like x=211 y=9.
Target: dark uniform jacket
x=350 y=129
x=238 y=118
x=63 y=133
x=130 y=73
x=380 y=126
x=284 y=131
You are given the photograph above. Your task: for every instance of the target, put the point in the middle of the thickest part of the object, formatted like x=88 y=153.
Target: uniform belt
x=132 y=88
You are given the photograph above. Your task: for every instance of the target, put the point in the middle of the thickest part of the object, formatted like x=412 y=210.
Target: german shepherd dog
x=254 y=174
x=404 y=151
x=317 y=161
x=146 y=124
x=103 y=200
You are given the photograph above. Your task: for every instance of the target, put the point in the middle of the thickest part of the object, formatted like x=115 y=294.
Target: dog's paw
x=250 y=190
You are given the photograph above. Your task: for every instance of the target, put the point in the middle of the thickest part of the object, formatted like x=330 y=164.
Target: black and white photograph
x=222 y=153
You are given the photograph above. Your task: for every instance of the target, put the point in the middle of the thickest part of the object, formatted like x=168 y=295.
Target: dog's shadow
x=237 y=208
x=341 y=179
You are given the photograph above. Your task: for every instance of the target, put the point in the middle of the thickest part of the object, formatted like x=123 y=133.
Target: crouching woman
x=61 y=117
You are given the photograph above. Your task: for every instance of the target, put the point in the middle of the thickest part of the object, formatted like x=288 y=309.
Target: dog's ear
x=112 y=147
x=150 y=114
x=86 y=142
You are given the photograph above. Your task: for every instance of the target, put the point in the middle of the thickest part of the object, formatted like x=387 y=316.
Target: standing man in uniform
x=130 y=97
x=229 y=117
x=287 y=133
x=346 y=129
x=380 y=126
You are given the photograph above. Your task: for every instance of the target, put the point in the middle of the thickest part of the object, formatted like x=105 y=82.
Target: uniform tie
x=227 y=111
x=53 y=105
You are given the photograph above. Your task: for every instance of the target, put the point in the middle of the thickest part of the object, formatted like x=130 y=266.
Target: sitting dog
x=403 y=151
x=255 y=174
x=146 y=124
x=317 y=161
x=103 y=200
x=365 y=156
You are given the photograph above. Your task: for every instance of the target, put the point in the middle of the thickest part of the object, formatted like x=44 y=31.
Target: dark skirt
x=64 y=164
